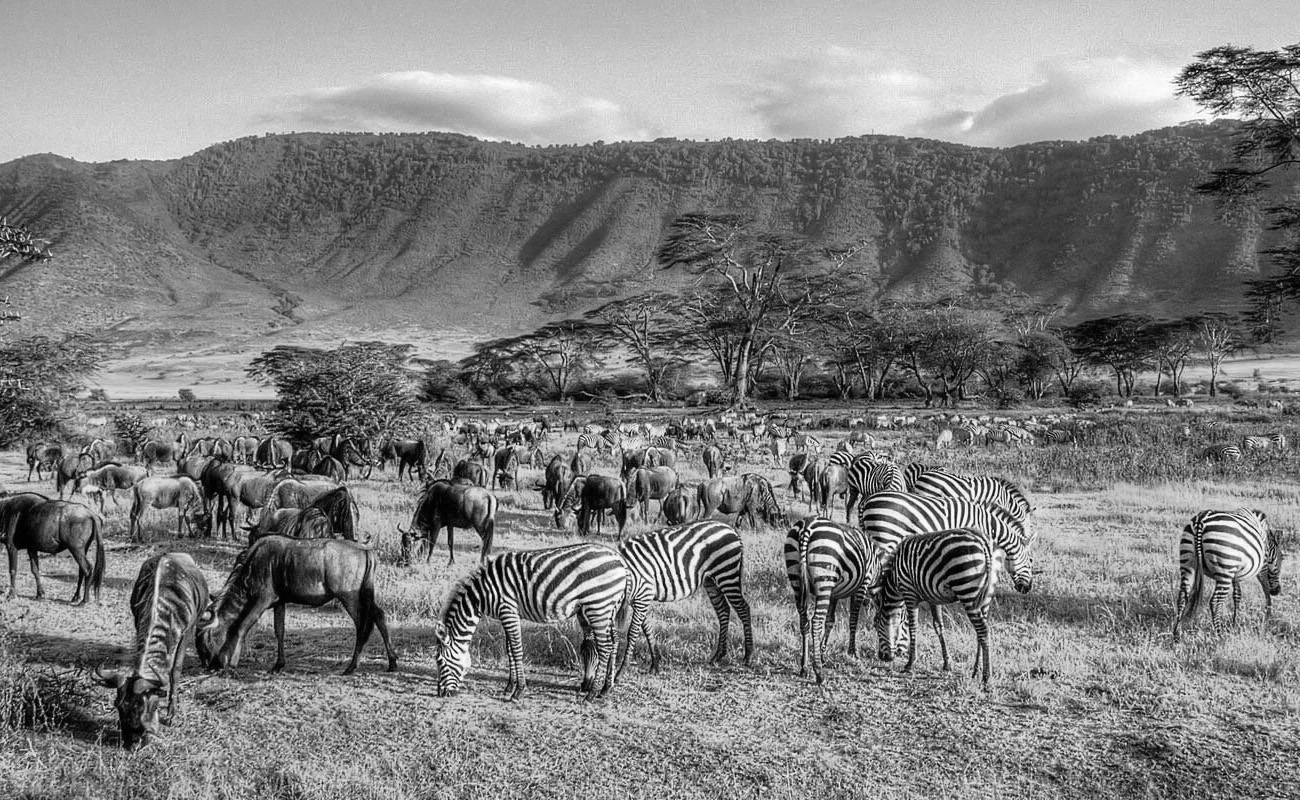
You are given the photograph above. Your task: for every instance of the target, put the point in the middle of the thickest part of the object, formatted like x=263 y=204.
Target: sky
x=99 y=80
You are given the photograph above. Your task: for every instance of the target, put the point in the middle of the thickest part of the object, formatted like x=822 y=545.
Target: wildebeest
x=332 y=513
x=581 y=463
x=650 y=483
x=244 y=449
x=231 y=486
x=472 y=471
x=277 y=570
x=676 y=507
x=101 y=450
x=68 y=470
x=155 y=452
x=169 y=594
x=348 y=451
x=505 y=465
x=803 y=469
x=742 y=495
x=556 y=480
x=714 y=463
x=42 y=456
x=180 y=493
x=53 y=526
x=273 y=453
x=108 y=478
x=409 y=454
x=590 y=495
x=453 y=504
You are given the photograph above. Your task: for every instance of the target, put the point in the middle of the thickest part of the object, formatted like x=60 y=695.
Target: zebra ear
x=1262 y=516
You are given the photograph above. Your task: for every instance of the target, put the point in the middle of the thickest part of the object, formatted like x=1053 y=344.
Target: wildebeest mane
x=335 y=507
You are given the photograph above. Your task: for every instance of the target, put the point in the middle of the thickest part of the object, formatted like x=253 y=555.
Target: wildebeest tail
x=97 y=574
x=490 y=524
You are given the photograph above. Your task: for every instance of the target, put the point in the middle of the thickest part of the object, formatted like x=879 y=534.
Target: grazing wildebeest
x=832 y=483
x=42 y=456
x=590 y=495
x=156 y=452
x=51 y=527
x=244 y=450
x=180 y=493
x=650 y=483
x=232 y=486
x=109 y=478
x=273 y=453
x=472 y=471
x=69 y=469
x=193 y=466
x=348 y=451
x=101 y=450
x=453 y=504
x=169 y=594
x=332 y=514
x=277 y=570
x=714 y=462
x=297 y=493
x=803 y=469
x=505 y=465
x=409 y=454
x=676 y=507
x=742 y=495
x=556 y=481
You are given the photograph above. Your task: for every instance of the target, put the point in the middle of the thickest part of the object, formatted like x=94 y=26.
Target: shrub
x=1087 y=393
x=129 y=431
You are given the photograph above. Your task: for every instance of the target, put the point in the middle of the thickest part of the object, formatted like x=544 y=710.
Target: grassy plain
x=1090 y=697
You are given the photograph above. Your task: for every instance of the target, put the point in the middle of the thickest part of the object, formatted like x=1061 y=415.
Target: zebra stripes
x=669 y=565
x=889 y=517
x=583 y=580
x=1222 y=452
x=993 y=491
x=1227 y=547
x=824 y=563
x=938 y=568
x=1250 y=444
x=867 y=477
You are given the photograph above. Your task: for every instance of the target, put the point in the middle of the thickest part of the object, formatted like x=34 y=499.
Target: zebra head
x=886 y=624
x=452 y=655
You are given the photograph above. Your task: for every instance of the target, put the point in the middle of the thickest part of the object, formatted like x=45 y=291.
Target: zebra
x=583 y=580
x=1250 y=444
x=666 y=442
x=595 y=441
x=1222 y=452
x=913 y=471
x=1228 y=547
x=1058 y=436
x=825 y=562
x=995 y=491
x=669 y=565
x=1278 y=439
x=938 y=568
x=868 y=476
x=889 y=517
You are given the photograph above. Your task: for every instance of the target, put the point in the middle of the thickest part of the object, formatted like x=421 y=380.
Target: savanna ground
x=1090 y=697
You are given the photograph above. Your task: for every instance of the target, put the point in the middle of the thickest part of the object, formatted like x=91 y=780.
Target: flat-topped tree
x=16 y=241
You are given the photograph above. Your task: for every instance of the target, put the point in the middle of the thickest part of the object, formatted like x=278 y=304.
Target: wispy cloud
x=486 y=106
x=845 y=92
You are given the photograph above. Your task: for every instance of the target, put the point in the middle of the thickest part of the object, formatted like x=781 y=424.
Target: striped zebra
x=826 y=562
x=1278 y=439
x=995 y=491
x=1058 y=436
x=666 y=442
x=889 y=517
x=669 y=565
x=868 y=476
x=1222 y=452
x=583 y=580
x=938 y=568
x=594 y=441
x=913 y=471
x=1251 y=444
x=1227 y=547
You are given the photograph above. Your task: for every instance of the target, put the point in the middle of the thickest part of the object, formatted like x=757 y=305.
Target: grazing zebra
x=1058 y=436
x=599 y=442
x=939 y=568
x=582 y=580
x=669 y=565
x=666 y=442
x=996 y=491
x=888 y=518
x=868 y=476
x=1250 y=444
x=826 y=562
x=1228 y=547
x=1278 y=439
x=1221 y=452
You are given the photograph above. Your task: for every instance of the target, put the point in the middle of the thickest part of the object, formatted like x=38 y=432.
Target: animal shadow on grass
x=69 y=651
x=1129 y=611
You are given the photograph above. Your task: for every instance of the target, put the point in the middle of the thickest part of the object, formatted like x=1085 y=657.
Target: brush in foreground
x=170 y=592
x=939 y=568
x=1227 y=547
x=583 y=580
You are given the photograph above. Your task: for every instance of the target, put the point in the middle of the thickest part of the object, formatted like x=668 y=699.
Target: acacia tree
x=762 y=283
x=16 y=241
x=1217 y=336
x=1262 y=88
x=358 y=389
x=558 y=352
x=1118 y=342
x=648 y=326
x=1171 y=343
x=37 y=374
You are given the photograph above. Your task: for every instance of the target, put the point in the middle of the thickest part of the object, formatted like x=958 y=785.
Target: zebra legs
x=980 y=622
x=937 y=621
x=638 y=626
x=1221 y=591
x=723 y=611
x=515 y=645
x=725 y=600
x=911 y=641
x=598 y=648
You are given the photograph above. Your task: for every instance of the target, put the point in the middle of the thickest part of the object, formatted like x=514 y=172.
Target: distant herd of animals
x=924 y=535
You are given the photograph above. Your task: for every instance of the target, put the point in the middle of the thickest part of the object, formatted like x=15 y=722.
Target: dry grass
x=1090 y=697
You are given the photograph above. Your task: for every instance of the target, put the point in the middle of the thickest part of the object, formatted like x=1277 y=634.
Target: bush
x=1087 y=393
x=129 y=431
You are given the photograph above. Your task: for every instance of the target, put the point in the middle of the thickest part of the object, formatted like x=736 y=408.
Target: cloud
x=845 y=92
x=486 y=106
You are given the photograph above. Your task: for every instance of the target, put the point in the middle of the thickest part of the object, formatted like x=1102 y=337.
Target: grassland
x=1090 y=698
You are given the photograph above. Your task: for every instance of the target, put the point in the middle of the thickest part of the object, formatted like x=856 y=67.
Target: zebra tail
x=1197 y=528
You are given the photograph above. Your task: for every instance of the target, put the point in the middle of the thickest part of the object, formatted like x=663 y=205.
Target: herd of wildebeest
x=924 y=535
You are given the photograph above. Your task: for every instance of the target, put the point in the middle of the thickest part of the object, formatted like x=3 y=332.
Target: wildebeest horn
x=110 y=678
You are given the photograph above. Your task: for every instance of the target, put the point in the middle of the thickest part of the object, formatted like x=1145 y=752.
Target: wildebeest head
x=210 y=640
x=453 y=661
x=410 y=536
x=138 y=703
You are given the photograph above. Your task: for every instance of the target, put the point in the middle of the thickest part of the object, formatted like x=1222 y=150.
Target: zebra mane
x=458 y=590
x=1002 y=515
